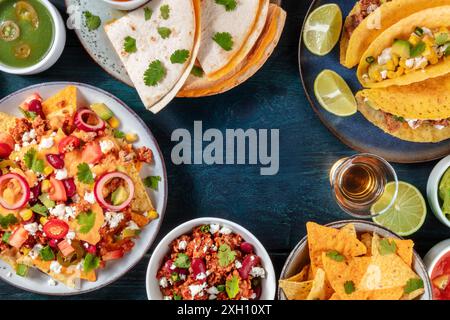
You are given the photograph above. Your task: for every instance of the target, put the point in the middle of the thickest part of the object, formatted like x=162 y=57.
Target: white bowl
x=163 y=248
x=433 y=189
x=437 y=252
x=59 y=41
x=126 y=5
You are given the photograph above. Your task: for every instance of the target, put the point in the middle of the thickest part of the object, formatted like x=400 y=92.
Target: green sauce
x=39 y=39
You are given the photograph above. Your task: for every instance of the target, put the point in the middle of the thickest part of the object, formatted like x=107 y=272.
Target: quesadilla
x=158 y=45
x=419 y=112
x=199 y=85
x=414 y=49
x=369 y=18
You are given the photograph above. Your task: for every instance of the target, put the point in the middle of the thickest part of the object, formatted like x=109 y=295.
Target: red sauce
x=442 y=268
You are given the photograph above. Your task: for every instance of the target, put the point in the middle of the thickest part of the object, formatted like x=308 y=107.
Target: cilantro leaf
x=148 y=13
x=86 y=220
x=177 y=296
x=32 y=162
x=179 y=56
x=165 y=11
x=349 y=287
x=47 y=254
x=39 y=209
x=413 y=285
x=129 y=44
x=221 y=287
x=84 y=173
x=6 y=237
x=387 y=247
x=205 y=228
x=224 y=40
x=91 y=262
x=229 y=5
x=182 y=261
x=6 y=221
x=197 y=72
x=232 y=287
x=119 y=134
x=92 y=22
x=28 y=114
x=334 y=255
x=417 y=50
x=155 y=73
x=225 y=255
x=152 y=182
x=164 y=32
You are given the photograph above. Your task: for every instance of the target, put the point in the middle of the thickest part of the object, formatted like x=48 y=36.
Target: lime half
x=334 y=95
x=407 y=214
x=322 y=29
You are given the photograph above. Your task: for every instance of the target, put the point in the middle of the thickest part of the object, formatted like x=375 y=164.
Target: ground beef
x=391 y=123
x=366 y=7
x=22 y=126
x=40 y=126
x=144 y=154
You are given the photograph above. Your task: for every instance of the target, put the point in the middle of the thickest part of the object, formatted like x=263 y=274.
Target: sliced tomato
x=18 y=238
x=91 y=153
x=56 y=229
x=57 y=191
x=113 y=255
x=6 y=145
x=66 y=248
x=68 y=144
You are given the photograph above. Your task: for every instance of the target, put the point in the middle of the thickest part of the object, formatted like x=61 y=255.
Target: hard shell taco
x=415 y=49
x=369 y=18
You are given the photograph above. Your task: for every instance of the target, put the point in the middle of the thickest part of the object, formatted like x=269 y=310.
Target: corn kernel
x=390 y=65
x=46 y=185
x=114 y=122
x=429 y=41
x=131 y=137
x=25 y=251
x=43 y=220
x=48 y=171
x=26 y=214
x=152 y=215
x=414 y=39
x=395 y=59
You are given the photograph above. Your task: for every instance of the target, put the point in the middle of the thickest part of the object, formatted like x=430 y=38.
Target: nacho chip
x=335 y=296
x=413 y=295
x=318 y=290
x=350 y=229
x=386 y=294
x=296 y=290
x=366 y=238
x=404 y=248
x=60 y=106
x=301 y=276
x=6 y=122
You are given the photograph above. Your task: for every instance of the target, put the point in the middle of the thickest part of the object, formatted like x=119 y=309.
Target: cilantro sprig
x=232 y=287
x=86 y=220
x=32 y=162
x=412 y=285
x=179 y=56
x=224 y=40
x=91 y=21
x=91 y=262
x=148 y=13
x=182 y=261
x=197 y=72
x=155 y=73
x=84 y=173
x=349 y=287
x=226 y=255
x=39 y=209
x=229 y=5
x=6 y=221
x=334 y=255
x=165 y=11
x=129 y=44
x=164 y=32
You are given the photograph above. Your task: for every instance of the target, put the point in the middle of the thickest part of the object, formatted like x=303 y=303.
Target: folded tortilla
x=201 y=86
x=244 y=23
x=184 y=23
x=390 y=12
x=424 y=101
x=430 y=18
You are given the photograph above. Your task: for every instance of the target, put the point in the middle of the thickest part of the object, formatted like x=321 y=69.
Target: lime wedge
x=322 y=29
x=334 y=95
x=407 y=214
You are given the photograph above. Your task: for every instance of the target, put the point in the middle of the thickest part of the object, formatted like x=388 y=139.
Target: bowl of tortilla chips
x=353 y=260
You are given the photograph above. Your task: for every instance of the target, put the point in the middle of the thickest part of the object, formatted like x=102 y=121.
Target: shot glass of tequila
x=364 y=185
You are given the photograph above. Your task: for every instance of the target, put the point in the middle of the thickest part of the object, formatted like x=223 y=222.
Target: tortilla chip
x=334 y=296
x=296 y=290
x=366 y=238
x=93 y=236
x=141 y=201
x=404 y=248
x=301 y=276
x=318 y=290
x=413 y=295
x=386 y=294
x=350 y=229
x=6 y=122
x=60 y=106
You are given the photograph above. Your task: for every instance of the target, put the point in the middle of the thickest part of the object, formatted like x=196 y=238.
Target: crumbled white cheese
x=167 y=298
x=439 y=127
x=427 y=31
x=89 y=197
x=258 y=272
x=34 y=253
x=76 y=198
x=46 y=143
x=113 y=219
x=212 y=290
x=237 y=264
x=51 y=282
x=214 y=248
x=182 y=276
x=69 y=213
x=182 y=245
x=201 y=276
x=213 y=228
x=55 y=267
x=28 y=136
x=17 y=147
x=225 y=230
x=253 y=296
x=409 y=63
x=385 y=56
x=196 y=289
x=244 y=298
x=413 y=123
x=384 y=74
x=70 y=236
x=32 y=228
x=106 y=146
x=212 y=297
x=132 y=225
x=163 y=282
x=173 y=266
x=61 y=174
x=420 y=62
x=58 y=211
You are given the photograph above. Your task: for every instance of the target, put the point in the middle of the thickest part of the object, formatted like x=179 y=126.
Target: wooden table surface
x=274 y=208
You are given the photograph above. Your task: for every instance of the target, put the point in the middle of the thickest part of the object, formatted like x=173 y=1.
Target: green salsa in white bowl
x=32 y=36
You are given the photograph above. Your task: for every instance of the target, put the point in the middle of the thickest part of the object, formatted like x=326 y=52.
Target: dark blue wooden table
x=274 y=208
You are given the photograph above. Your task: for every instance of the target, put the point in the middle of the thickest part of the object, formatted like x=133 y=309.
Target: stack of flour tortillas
x=194 y=48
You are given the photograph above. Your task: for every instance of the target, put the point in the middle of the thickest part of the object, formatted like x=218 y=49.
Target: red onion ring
x=25 y=191
x=83 y=125
x=100 y=184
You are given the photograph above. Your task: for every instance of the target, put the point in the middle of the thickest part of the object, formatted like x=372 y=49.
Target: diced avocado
x=119 y=196
x=402 y=48
x=22 y=270
x=46 y=201
x=6 y=237
x=102 y=111
x=442 y=38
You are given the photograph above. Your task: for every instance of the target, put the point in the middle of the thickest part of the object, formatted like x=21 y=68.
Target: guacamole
x=26 y=32
x=444 y=192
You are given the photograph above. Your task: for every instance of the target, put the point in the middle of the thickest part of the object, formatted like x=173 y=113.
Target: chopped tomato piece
x=34 y=96
x=66 y=248
x=6 y=145
x=18 y=237
x=57 y=191
x=113 y=255
x=68 y=144
x=91 y=153
x=56 y=229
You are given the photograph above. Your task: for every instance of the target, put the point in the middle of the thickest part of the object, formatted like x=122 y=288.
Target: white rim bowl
x=433 y=189
x=435 y=254
x=163 y=248
x=59 y=41
x=126 y=5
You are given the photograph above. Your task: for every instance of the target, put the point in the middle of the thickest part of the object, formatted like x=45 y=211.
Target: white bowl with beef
x=209 y=259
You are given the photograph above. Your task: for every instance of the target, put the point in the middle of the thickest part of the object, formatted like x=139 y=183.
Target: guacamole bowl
x=434 y=181
x=32 y=36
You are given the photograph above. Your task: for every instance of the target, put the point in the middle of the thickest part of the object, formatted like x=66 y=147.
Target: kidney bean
x=257 y=292
x=248 y=263
x=198 y=267
x=246 y=247
x=91 y=249
x=36 y=107
x=71 y=188
x=35 y=194
x=55 y=160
